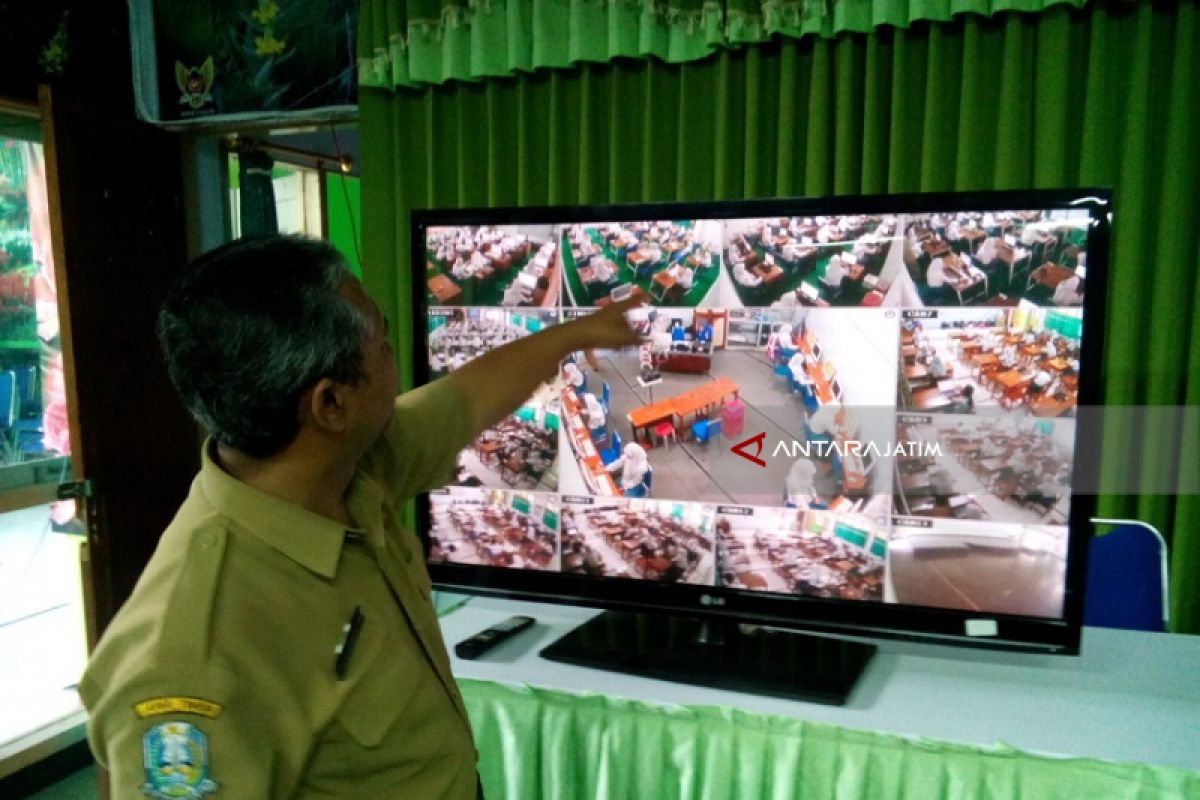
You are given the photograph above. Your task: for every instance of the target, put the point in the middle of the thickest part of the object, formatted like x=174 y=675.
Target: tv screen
x=880 y=438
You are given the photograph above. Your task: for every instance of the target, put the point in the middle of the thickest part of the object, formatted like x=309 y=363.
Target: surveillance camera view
x=814 y=553
x=520 y=451
x=492 y=265
x=658 y=540
x=955 y=337
x=495 y=528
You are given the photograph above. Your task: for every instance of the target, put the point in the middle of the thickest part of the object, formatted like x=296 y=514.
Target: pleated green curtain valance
x=415 y=42
x=538 y=744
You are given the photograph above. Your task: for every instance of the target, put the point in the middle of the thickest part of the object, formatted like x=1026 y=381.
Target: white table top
x=1130 y=696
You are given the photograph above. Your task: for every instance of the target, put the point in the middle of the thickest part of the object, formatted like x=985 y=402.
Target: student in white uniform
x=798 y=365
x=602 y=269
x=798 y=486
x=781 y=338
x=1069 y=292
x=835 y=273
x=685 y=279
x=574 y=377
x=744 y=276
x=937 y=368
x=1041 y=381
x=936 y=275
x=632 y=466
x=597 y=420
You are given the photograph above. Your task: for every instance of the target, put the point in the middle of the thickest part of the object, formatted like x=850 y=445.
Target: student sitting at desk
x=962 y=401
x=479 y=261
x=799 y=489
x=937 y=368
x=835 y=273
x=575 y=378
x=685 y=279
x=936 y=278
x=790 y=252
x=678 y=333
x=798 y=365
x=1041 y=382
x=633 y=466
x=744 y=276
x=779 y=340
x=705 y=333
x=597 y=420
x=1069 y=292
x=602 y=270
x=830 y=423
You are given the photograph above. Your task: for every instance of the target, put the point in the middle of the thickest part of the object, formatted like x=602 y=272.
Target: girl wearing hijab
x=575 y=378
x=633 y=466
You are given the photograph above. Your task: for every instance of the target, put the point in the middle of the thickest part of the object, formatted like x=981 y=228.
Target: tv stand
x=717 y=653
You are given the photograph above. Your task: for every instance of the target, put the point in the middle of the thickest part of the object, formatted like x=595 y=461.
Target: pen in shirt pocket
x=345 y=648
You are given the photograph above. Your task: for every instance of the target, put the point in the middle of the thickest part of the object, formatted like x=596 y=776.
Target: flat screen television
x=888 y=455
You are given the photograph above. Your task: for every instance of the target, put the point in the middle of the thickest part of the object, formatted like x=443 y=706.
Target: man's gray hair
x=252 y=325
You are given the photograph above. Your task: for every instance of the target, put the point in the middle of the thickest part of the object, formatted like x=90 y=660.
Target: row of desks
x=585 y=449
x=683 y=405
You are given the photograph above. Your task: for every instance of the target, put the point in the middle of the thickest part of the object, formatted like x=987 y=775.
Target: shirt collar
x=311 y=540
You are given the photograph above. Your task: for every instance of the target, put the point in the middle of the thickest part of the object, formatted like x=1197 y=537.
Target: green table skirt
x=538 y=744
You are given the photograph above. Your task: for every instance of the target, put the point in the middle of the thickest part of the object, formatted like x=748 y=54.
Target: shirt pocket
x=384 y=687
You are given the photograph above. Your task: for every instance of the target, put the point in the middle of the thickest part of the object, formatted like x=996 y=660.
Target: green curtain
x=1108 y=95
x=343 y=210
x=538 y=743
x=413 y=42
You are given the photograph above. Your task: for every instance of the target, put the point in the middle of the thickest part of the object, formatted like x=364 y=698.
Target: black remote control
x=480 y=643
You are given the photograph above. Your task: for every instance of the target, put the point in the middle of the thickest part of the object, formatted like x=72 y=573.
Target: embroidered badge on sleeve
x=175 y=755
x=177 y=705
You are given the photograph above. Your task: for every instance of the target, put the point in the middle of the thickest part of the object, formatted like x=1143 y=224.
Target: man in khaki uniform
x=281 y=642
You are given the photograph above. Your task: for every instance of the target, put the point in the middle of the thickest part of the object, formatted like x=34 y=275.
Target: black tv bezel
x=841 y=617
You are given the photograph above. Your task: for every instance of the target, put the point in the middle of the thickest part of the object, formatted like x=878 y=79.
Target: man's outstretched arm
x=496 y=383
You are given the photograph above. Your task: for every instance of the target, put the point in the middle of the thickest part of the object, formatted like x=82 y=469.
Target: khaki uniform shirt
x=218 y=675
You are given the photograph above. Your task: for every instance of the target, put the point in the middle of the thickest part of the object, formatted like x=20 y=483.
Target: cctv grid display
x=914 y=378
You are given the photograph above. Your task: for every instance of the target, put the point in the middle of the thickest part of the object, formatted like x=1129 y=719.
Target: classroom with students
x=990 y=467
x=997 y=258
x=1022 y=360
x=495 y=528
x=457 y=336
x=650 y=421
x=814 y=553
x=486 y=265
x=670 y=262
x=811 y=261
x=638 y=538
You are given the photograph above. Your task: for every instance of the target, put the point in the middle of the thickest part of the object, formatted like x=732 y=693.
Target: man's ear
x=327 y=405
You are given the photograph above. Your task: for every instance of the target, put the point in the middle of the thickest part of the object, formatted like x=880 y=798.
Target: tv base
x=717 y=654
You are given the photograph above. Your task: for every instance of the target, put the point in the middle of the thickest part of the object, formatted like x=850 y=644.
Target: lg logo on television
x=709 y=600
